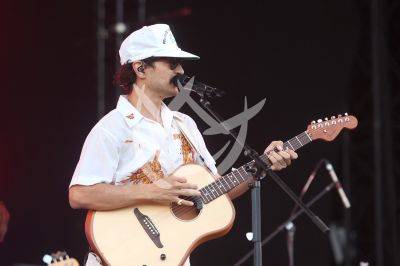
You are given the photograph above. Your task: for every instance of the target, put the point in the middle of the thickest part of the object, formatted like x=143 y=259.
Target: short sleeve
x=99 y=159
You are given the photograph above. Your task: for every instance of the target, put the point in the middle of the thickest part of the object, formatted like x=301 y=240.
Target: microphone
x=339 y=187
x=198 y=87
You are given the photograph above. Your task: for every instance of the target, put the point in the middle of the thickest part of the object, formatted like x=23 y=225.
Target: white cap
x=155 y=40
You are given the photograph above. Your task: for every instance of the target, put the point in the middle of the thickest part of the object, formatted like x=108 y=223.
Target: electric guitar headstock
x=60 y=258
x=328 y=129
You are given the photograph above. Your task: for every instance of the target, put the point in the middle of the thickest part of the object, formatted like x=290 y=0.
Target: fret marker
x=299 y=141
x=290 y=145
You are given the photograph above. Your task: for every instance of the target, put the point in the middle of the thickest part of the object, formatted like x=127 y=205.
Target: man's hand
x=4 y=218
x=171 y=187
x=279 y=158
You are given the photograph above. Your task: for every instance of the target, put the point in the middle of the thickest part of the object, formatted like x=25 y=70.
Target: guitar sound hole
x=185 y=213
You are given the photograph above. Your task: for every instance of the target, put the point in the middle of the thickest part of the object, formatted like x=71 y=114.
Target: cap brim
x=176 y=54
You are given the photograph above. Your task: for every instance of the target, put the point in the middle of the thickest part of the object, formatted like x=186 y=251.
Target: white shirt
x=124 y=146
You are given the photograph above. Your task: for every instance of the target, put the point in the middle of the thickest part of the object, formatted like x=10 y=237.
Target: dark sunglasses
x=172 y=61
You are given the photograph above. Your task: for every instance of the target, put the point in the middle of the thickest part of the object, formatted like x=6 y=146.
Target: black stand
x=261 y=166
x=285 y=224
x=256 y=221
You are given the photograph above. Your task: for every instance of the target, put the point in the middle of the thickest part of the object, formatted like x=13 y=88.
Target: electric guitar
x=165 y=234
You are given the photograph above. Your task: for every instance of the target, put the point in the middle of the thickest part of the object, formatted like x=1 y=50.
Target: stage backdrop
x=295 y=55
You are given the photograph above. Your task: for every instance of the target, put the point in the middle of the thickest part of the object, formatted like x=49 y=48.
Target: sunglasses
x=172 y=61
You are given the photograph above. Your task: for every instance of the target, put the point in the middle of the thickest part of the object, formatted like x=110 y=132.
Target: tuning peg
x=346 y=114
x=319 y=120
x=333 y=117
x=313 y=122
x=339 y=115
x=326 y=119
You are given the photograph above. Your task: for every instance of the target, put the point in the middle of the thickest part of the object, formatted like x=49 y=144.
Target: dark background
x=302 y=56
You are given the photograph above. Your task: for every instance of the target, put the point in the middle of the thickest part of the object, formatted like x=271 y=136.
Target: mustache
x=183 y=79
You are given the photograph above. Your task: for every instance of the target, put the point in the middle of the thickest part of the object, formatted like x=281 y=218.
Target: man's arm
x=109 y=197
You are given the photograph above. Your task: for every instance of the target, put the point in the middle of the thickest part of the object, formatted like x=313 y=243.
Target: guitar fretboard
x=238 y=176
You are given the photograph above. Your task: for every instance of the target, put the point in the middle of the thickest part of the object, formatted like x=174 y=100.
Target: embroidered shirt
x=124 y=146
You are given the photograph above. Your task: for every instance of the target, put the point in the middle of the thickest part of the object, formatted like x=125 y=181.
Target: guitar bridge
x=149 y=227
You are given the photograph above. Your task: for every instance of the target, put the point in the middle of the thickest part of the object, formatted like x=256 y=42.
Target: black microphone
x=198 y=87
x=338 y=185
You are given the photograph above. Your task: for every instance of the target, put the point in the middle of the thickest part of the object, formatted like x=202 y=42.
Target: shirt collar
x=129 y=112
x=132 y=116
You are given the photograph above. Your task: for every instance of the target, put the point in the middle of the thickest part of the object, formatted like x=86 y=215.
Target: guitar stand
x=260 y=167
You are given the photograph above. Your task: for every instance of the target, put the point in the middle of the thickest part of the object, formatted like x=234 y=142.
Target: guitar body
x=120 y=239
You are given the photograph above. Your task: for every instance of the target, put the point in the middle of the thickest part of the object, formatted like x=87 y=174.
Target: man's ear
x=138 y=68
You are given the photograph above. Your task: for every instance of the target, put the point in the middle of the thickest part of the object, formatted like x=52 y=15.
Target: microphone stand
x=283 y=225
x=291 y=227
x=260 y=166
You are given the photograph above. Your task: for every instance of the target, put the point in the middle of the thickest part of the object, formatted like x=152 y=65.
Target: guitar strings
x=296 y=143
x=182 y=209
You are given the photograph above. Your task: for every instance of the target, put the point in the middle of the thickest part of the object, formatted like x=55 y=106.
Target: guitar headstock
x=60 y=258
x=328 y=129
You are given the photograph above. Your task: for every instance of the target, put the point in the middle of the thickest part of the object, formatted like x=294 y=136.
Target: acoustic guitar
x=165 y=234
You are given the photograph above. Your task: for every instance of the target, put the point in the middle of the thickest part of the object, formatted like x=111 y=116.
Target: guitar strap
x=185 y=132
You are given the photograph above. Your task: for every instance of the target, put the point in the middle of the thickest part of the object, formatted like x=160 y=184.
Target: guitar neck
x=240 y=175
